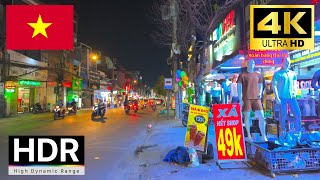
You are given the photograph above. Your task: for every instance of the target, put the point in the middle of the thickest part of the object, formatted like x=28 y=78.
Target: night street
x=109 y=145
x=159 y=89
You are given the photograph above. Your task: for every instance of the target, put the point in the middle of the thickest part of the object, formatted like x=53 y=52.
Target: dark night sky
x=121 y=28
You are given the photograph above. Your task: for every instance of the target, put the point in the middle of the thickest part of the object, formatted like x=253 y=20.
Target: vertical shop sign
x=228 y=132
x=197 y=129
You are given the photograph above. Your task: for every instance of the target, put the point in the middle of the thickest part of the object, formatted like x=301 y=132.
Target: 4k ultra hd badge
x=281 y=27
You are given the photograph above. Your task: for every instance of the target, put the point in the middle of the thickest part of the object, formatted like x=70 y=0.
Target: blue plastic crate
x=292 y=160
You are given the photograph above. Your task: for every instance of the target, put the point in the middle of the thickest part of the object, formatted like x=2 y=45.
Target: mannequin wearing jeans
x=216 y=93
x=233 y=90
x=285 y=88
x=249 y=93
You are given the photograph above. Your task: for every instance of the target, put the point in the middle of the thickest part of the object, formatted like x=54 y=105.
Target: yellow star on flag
x=39 y=27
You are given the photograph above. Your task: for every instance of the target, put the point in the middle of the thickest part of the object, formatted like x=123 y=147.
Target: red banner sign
x=67 y=84
x=229 y=132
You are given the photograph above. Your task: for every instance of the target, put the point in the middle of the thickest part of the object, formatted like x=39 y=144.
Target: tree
x=159 y=87
x=205 y=15
x=200 y=16
x=161 y=17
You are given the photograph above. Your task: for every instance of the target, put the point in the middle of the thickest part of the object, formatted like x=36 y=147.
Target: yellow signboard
x=196 y=135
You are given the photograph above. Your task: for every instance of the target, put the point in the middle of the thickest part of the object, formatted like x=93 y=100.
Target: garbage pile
x=180 y=155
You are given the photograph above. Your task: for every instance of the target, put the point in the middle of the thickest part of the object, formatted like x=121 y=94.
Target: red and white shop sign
x=229 y=136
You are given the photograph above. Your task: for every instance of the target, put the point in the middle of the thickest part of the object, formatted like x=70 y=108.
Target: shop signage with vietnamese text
x=226 y=35
x=29 y=83
x=299 y=56
x=197 y=128
x=228 y=130
x=267 y=57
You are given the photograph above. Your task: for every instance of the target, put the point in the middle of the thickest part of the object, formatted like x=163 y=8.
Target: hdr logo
x=281 y=27
x=46 y=155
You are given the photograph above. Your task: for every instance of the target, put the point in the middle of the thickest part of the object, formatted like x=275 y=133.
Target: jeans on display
x=235 y=100
x=216 y=100
x=294 y=109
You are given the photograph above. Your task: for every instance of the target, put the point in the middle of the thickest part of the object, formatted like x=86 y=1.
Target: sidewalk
x=169 y=134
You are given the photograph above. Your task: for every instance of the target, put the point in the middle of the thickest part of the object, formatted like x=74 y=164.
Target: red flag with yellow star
x=39 y=27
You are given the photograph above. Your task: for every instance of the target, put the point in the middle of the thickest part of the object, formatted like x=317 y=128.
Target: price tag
x=229 y=132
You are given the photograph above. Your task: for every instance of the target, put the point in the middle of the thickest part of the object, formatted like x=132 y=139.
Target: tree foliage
x=195 y=17
x=159 y=87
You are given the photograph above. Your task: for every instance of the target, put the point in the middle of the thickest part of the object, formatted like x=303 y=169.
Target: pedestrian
x=60 y=103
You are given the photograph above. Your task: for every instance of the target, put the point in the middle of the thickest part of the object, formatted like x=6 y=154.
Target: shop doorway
x=26 y=98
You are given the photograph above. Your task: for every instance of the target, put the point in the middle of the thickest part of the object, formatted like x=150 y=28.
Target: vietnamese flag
x=39 y=27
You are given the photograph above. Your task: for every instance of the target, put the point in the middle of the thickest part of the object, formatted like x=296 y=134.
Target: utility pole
x=113 y=65
x=174 y=52
x=5 y=67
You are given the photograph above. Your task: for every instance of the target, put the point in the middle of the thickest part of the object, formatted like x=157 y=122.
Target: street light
x=94 y=57
x=135 y=81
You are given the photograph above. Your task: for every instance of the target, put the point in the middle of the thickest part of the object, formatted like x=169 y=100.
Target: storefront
x=74 y=93
x=25 y=93
x=228 y=43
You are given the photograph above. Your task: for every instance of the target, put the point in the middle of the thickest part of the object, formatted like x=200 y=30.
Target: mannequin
x=315 y=83
x=249 y=93
x=315 y=80
x=234 y=90
x=263 y=85
x=285 y=90
x=216 y=93
x=226 y=89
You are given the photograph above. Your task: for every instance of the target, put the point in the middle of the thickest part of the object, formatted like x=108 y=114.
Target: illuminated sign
x=67 y=84
x=300 y=56
x=224 y=27
x=10 y=89
x=29 y=83
x=304 y=84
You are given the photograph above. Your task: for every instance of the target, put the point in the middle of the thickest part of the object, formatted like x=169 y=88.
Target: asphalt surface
x=110 y=143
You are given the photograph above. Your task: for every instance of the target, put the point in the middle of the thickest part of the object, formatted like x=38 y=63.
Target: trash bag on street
x=179 y=155
x=194 y=158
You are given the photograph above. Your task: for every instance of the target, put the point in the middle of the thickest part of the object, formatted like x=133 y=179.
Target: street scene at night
x=159 y=89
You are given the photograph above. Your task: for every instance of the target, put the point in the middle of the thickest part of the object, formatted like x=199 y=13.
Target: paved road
x=110 y=144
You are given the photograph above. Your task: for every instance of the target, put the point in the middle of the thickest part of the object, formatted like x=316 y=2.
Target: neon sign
x=29 y=83
x=10 y=88
x=224 y=27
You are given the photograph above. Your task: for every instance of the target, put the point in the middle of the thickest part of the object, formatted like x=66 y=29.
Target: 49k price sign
x=229 y=134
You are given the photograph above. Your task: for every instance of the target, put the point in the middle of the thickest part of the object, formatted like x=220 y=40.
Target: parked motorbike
x=98 y=111
x=135 y=107
x=154 y=107
x=185 y=114
x=58 y=113
x=36 y=108
x=143 y=106
x=72 y=109
x=127 y=109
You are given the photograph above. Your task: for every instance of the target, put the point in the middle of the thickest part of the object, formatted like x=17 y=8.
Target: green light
x=10 y=90
x=29 y=83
